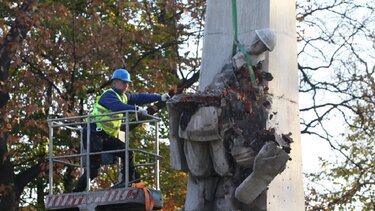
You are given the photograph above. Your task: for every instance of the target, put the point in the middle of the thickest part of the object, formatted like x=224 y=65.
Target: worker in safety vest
x=103 y=135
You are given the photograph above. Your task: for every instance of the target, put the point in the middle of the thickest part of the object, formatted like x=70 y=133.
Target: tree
x=10 y=46
x=55 y=56
x=337 y=74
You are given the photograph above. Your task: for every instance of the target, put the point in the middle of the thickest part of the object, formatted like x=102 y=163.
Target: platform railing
x=75 y=124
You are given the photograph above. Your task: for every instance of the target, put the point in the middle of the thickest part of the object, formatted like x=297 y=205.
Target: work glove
x=165 y=97
x=142 y=111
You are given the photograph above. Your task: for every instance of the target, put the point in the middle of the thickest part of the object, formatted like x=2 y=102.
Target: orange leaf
x=13 y=139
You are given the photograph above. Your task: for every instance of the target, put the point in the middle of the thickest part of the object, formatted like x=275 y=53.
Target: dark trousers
x=101 y=141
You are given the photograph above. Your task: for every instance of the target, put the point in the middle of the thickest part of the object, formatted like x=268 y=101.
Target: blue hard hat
x=121 y=74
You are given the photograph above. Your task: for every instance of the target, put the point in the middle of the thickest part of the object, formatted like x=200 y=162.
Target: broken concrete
x=244 y=156
x=176 y=146
x=198 y=158
x=200 y=192
x=219 y=157
x=203 y=125
x=269 y=162
x=226 y=141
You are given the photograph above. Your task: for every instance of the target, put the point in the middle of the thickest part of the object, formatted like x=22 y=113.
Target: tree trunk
x=7 y=193
x=40 y=191
x=26 y=176
x=10 y=45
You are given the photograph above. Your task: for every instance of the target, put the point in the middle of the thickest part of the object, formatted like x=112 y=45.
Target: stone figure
x=219 y=136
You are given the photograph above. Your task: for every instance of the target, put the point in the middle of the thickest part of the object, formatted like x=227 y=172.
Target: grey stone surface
x=198 y=159
x=268 y=163
x=176 y=146
x=203 y=125
x=232 y=170
x=287 y=189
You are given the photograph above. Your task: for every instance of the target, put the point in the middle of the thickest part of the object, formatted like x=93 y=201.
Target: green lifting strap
x=236 y=43
x=235 y=28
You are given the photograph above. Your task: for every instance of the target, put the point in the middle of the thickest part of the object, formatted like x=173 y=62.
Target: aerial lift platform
x=131 y=197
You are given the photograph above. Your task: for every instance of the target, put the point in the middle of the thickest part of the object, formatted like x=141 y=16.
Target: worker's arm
x=142 y=98
x=110 y=101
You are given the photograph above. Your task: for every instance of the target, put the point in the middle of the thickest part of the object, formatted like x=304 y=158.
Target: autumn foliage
x=57 y=55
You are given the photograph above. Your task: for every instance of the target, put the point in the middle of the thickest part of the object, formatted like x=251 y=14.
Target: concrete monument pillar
x=286 y=190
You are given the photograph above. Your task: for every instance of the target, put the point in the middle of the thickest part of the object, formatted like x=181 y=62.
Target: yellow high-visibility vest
x=112 y=128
